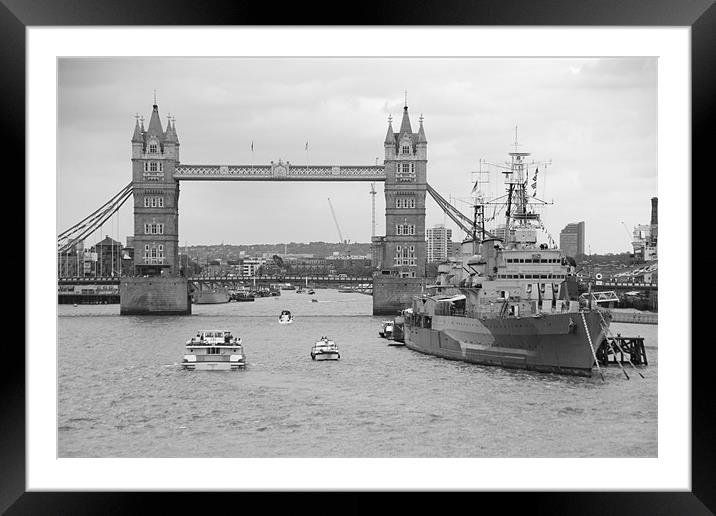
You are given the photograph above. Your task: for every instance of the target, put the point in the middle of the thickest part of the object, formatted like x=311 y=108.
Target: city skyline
x=595 y=119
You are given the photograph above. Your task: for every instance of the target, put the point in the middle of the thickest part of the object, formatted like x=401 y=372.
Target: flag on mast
x=306 y=144
x=252 y=146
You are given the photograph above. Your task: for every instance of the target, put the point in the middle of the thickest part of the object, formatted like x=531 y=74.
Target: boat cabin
x=325 y=344
x=214 y=338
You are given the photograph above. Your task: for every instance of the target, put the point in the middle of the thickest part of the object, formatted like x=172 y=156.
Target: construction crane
x=340 y=235
x=629 y=235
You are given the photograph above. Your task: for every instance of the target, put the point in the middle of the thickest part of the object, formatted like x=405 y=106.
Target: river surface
x=122 y=392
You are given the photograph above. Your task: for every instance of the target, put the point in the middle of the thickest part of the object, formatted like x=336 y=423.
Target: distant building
x=109 y=257
x=571 y=239
x=646 y=237
x=251 y=266
x=439 y=242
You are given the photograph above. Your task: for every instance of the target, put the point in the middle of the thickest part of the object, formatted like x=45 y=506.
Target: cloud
x=594 y=118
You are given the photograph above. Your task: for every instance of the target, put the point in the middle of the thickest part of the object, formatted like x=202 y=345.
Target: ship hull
x=325 y=356
x=550 y=343
x=213 y=366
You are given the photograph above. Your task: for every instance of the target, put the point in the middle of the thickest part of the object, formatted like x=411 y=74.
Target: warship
x=505 y=301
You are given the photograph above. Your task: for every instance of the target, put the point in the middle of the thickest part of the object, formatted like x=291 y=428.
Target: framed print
x=444 y=223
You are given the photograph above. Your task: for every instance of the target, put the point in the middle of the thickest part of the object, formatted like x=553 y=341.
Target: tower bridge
x=157 y=285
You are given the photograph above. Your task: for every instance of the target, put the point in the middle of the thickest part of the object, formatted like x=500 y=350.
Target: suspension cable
x=90 y=224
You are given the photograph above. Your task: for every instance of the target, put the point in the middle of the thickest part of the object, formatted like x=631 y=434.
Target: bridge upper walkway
x=280 y=172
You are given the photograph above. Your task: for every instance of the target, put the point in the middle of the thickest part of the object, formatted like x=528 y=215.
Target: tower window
x=405 y=149
x=405 y=172
x=154 y=229
x=154 y=202
x=405 y=229
x=153 y=166
x=404 y=202
x=153 y=147
x=404 y=255
x=154 y=254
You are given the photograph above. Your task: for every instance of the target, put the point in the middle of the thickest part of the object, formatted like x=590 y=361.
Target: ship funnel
x=654 y=202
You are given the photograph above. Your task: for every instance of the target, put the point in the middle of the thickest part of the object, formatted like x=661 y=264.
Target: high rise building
x=571 y=239
x=438 y=243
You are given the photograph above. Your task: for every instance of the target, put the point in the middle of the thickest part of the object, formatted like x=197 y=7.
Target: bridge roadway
x=233 y=280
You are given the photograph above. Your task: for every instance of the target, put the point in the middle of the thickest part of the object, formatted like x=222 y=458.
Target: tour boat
x=214 y=350
x=325 y=349
x=285 y=317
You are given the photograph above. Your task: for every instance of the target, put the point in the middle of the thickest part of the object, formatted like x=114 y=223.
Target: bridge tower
x=405 y=187
x=155 y=155
x=400 y=254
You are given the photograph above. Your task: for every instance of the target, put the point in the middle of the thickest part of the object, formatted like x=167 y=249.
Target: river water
x=122 y=392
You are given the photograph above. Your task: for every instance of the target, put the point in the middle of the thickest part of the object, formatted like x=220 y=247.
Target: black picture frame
x=699 y=15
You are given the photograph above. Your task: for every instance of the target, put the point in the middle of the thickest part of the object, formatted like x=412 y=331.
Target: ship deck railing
x=207 y=345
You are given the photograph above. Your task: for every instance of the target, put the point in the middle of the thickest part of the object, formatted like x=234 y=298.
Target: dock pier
x=628 y=348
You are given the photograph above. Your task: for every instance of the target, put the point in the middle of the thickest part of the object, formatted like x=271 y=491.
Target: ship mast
x=516 y=201
x=515 y=177
x=478 y=202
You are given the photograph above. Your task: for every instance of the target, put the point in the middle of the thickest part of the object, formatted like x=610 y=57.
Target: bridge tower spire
x=155 y=155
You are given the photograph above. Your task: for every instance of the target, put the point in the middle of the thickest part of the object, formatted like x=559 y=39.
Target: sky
x=594 y=121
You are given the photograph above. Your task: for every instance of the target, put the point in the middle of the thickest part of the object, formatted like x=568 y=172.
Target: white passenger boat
x=325 y=349
x=214 y=350
x=285 y=317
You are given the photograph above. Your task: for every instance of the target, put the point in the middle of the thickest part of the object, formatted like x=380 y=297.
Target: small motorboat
x=387 y=330
x=285 y=317
x=314 y=300
x=311 y=292
x=398 y=336
x=325 y=349
x=214 y=350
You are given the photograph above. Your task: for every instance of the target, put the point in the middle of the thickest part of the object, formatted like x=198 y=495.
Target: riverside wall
x=635 y=317
x=154 y=296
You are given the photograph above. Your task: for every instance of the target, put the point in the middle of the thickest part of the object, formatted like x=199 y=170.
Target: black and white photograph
x=474 y=258
x=370 y=258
